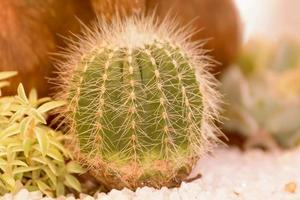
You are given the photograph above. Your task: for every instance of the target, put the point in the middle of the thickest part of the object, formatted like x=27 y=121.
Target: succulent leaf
x=30 y=152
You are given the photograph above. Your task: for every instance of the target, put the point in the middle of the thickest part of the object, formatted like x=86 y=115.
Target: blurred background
x=262 y=87
x=272 y=19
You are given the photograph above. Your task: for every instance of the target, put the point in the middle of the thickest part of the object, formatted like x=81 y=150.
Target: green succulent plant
x=32 y=155
x=266 y=94
x=141 y=104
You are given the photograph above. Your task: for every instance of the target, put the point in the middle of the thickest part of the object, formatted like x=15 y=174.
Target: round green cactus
x=141 y=105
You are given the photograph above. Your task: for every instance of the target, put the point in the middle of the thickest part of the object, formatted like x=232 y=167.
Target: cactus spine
x=140 y=103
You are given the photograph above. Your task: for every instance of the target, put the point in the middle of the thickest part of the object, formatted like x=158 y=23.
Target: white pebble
x=143 y=193
x=49 y=198
x=103 y=196
x=85 y=197
x=23 y=194
x=37 y=195
x=118 y=195
x=128 y=193
x=174 y=195
x=70 y=198
x=8 y=196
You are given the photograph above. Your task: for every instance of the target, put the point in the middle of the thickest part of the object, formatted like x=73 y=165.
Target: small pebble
x=118 y=195
x=103 y=196
x=21 y=195
x=85 y=197
x=37 y=195
x=7 y=197
x=290 y=187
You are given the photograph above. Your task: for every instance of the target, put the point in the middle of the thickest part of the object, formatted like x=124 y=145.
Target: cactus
x=141 y=104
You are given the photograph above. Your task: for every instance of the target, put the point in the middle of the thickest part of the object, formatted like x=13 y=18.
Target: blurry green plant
x=32 y=155
x=263 y=91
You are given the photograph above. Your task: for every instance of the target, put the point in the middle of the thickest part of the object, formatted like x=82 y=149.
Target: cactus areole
x=141 y=104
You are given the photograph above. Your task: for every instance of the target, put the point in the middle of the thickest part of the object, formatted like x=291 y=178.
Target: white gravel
x=229 y=174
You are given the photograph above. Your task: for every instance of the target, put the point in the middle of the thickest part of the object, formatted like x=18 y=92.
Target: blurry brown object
x=29 y=31
x=217 y=20
x=110 y=8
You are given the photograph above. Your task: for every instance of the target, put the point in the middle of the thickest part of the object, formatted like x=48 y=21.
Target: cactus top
x=140 y=102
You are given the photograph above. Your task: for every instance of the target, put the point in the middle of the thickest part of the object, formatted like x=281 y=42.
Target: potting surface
x=227 y=174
